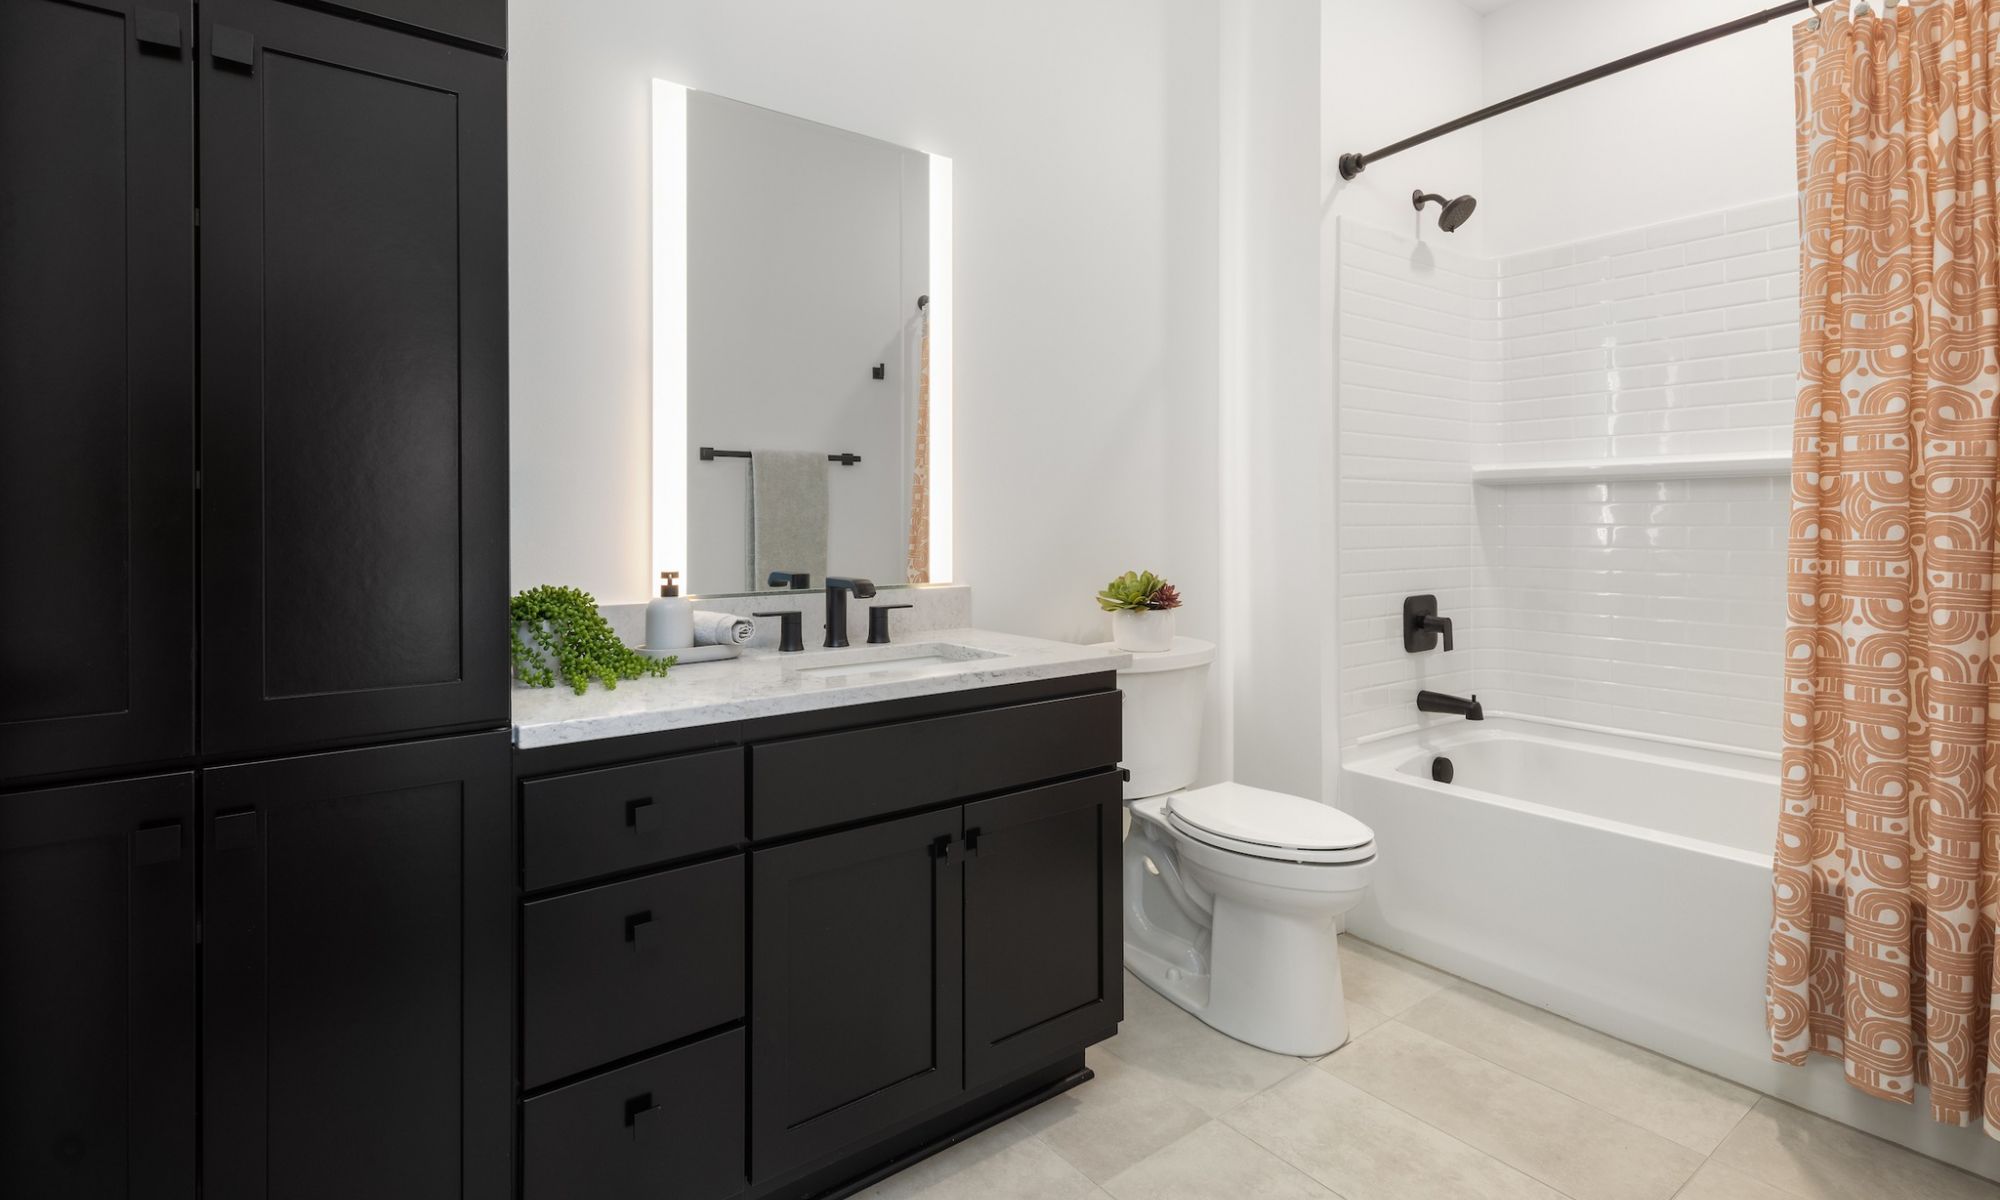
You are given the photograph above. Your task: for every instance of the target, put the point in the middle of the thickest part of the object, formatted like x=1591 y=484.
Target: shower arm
x=1353 y=164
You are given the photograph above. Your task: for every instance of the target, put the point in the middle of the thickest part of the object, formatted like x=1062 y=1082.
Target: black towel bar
x=710 y=454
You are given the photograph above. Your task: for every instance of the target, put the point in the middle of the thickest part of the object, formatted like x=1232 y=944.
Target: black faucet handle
x=797 y=581
x=1440 y=625
x=878 y=622
x=791 y=629
x=862 y=588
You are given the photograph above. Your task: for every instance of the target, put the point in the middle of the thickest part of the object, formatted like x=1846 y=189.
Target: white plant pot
x=1143 y=631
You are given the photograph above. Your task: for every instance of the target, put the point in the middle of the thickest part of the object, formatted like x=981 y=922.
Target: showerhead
x=1456 y=212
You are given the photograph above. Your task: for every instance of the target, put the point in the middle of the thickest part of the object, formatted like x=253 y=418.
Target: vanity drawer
x=618 y=969
x=670 y=1125
x=813 y=782
x=595 y=823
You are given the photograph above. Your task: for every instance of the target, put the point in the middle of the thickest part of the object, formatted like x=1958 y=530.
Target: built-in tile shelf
x=1758 y=464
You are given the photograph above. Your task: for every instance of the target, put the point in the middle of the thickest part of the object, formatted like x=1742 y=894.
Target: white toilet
x=1230 y=891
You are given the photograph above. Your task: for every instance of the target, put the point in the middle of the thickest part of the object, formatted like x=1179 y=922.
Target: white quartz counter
x=765 y=683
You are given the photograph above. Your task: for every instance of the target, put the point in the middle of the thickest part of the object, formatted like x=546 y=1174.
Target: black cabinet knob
x=642 y=931
x=644 y=816
x=236 y=831
x=158 y=30
x=235 y=47
x=644 y=1118
x=160 y=844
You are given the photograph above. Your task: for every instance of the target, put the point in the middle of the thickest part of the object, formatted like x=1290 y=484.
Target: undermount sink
x=860 y=662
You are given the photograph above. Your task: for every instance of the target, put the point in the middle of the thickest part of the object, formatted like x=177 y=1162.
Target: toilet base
x=1248 y=946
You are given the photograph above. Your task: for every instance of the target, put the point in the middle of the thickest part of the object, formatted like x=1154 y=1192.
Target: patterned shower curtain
x=1887 y=882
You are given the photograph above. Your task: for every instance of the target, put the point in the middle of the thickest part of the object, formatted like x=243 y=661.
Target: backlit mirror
x=801 y=350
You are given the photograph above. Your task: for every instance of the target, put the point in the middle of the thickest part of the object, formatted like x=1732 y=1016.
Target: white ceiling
x=1485 y=6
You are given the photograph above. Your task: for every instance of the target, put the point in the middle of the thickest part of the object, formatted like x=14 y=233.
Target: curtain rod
x=1353 y=164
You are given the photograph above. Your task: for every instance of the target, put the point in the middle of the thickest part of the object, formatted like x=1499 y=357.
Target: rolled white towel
x=722 y=629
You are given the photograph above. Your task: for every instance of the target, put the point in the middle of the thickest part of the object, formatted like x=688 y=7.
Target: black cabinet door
x=855 y=1017
x=480 y=21
x=1043 y=926
x=353 y=382
x=96 y=384
x=97 y=990
x=358 y=974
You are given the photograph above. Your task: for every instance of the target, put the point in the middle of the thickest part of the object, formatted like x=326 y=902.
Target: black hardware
x=836 y=607
x=644 y=816
x=710 y=454
x=1353 y=164
x=1438 y=702
x=791 y=630
x=642 y=931
x=159 y=844
x=159 y=30
x=798 y=581
x=1422 y=625
x=643 y=1117
x=237 y=47
x=948 y=850
x=236 y=831
x=923 y=302
x=1456 y=212
x=1125 y=773
x=881 y=370
x=1441 y=769
x=972 y=842
x=878 y=622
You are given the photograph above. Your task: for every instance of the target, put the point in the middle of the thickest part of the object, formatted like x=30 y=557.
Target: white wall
x=1084 y=140
x=1710 y=128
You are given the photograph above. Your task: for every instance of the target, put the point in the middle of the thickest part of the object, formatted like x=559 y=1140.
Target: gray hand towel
x=787 y=513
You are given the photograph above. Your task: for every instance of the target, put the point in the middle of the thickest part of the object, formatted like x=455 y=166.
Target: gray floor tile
x=1113 y=1121
x=1188 y=1060
x=1818 y=1159
x=1214 y=1163
x=1581 y=1151
x=1691 y=1107
x=1383 y=981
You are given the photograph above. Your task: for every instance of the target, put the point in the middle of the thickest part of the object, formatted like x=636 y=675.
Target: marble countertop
x=765 y=683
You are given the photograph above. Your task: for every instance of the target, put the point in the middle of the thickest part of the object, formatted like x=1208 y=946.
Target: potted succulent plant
x=1142 y=607
x=559 y=634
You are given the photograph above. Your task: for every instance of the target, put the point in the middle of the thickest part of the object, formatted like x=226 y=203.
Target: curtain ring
x=1812 y=24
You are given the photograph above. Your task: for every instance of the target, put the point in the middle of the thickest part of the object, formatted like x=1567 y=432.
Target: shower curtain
x=1887 y=880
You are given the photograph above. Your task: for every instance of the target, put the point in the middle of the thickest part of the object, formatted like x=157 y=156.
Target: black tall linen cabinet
x=257 y=918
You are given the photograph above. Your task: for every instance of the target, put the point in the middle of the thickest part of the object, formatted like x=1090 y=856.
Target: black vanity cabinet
x=883 y=927
x=353 y=382
x=97 y=990
x=357 y=974
x=96 y=385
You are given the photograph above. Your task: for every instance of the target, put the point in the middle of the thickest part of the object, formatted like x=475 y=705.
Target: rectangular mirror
x=801 y=350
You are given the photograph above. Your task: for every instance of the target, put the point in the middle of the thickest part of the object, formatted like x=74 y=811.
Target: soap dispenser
x=669 y=618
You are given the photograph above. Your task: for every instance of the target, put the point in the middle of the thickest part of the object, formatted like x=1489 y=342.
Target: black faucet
x=796 y=581
x=1438 y=702
x=836 y=606
x=1422 y=625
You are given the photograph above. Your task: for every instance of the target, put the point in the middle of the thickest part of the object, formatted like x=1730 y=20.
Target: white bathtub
x=1622 y=882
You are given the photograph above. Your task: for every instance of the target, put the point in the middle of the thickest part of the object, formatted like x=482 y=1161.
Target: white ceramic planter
x=537 y=653
x=1145 y=631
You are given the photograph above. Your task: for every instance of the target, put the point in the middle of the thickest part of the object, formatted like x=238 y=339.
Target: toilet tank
x=1165 y=693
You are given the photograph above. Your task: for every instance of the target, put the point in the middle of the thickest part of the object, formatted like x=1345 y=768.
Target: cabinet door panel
x=353 y=382
x=1043 y=926
x=96 y=387
x=97 y=1024
x=358 y=973
x=856 y=1022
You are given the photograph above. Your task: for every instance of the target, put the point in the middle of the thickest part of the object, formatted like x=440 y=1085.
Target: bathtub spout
x=1438 y=702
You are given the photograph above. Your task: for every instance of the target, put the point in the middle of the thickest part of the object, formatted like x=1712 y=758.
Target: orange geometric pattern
x=1887 y=870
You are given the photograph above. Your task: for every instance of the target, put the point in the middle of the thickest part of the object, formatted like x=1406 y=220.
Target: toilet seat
x=1270 y=825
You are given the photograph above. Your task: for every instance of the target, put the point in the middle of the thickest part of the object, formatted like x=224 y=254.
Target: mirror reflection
x=811 y=374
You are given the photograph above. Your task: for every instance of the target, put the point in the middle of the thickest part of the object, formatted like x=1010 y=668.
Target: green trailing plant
x=565 y=626
x=1138 y=591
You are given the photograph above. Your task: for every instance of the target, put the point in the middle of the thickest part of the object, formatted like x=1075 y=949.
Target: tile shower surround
x=1650 y=606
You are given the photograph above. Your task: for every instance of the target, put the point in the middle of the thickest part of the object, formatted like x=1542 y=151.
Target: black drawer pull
x=236 y=831
x=158 y=29
x=160 y=844
x=642 y=931
x=972 y=846
x=237 y=47
x=644 y=1118
x=644 y=816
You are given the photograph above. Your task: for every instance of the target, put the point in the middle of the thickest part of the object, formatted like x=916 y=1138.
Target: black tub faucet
x=1438 y=702
x=836 y=606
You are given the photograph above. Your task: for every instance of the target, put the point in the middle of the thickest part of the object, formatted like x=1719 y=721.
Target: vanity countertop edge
x=760 y=684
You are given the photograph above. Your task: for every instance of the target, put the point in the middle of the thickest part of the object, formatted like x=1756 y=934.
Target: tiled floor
x=1446 y=1091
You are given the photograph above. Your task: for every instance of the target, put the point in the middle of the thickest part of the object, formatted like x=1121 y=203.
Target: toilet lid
x=1248 y=820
